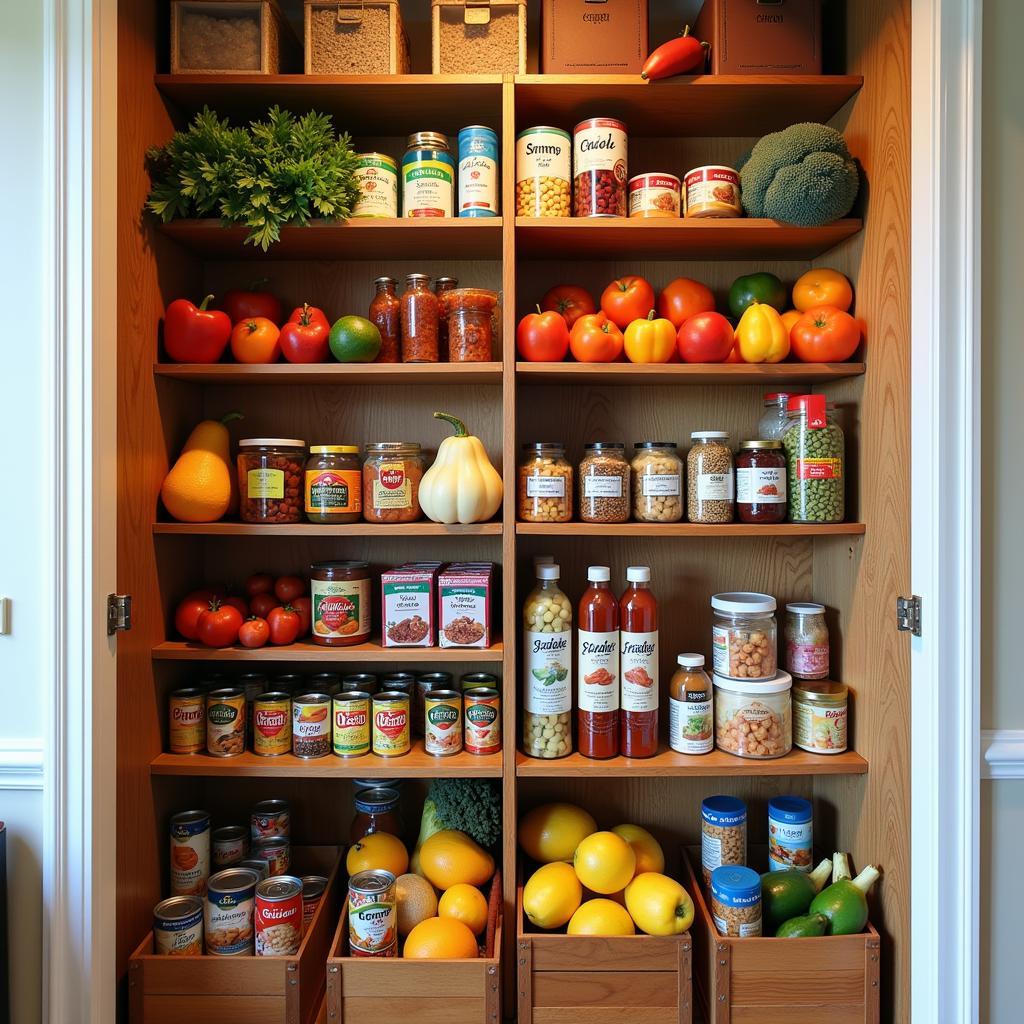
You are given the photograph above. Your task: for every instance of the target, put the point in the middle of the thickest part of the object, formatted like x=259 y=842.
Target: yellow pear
x=198 y=487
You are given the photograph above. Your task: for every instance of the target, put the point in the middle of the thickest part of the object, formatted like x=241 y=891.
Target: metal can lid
x=273 y=697
x=270 y=807
x=227 y=693
x=271 y=843
x=345 y=696
x=823 y=691
x=334 y=449
x=232 y=880
x=188 y=693
x=736 y=885
x=279 y=888
x=189 y=817
x=546 y=128
x=312 y=698
x=475 y=693
x=371 y=881
x=229 y=833
x=271 y=442
x=178 y=908
x=427 y=140
x=443 y=695
x=376 y=801
x=769 y=445
x=313 y=886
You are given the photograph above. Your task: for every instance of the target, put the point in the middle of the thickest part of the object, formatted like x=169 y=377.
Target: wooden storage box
x=582 y=37
x=833 y=978
x=219 y=989
x=227 y=37
x=478 y=37
x=355 y=38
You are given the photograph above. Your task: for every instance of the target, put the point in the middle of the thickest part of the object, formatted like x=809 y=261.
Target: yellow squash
x=198 y=487
x=461 y=486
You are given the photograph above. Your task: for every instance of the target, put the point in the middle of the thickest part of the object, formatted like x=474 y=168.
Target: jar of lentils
x=604 y=483
x=761 y=482
x=270 y=475
x=815 y=459
x=710 y=485
x=545 y=484
x=736 y=900
x=657 y=473
x=743 y=635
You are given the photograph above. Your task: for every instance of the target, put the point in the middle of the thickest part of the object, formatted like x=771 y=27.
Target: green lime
x=354 y=340
x=760 y=287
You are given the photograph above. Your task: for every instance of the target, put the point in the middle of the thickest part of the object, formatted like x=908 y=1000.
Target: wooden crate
x=355 y=38
x=255 y=989
x=485 y=37
x=833 y=978
x=368 y=990
x=277 y=44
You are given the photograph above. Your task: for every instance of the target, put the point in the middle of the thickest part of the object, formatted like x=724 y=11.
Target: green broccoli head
x=469 y=805
x=803 y=175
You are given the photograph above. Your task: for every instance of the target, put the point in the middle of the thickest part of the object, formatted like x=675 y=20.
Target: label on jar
x=654 y=195
x=690 y=724
x=712 y=192
x=714 y=486
x=427 y=187
x=807 y=661
x=761 y=485
x=600 y=145
x=746 y=928
x=478 y=185
x=638 y=670
x=819 y=469
x=545 y=486
x=331 y=491
x=543 y=153
x=818 y=729
x=391 y=486
x=340 y=607
x=789 y=845
x=377 y=178
x=265 y=483
x=548 y=688
x=653 y=485
x=598 y=668
x=602 y=487
x=720 y=650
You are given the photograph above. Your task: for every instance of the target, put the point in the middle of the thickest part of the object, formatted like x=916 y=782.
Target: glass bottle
x=420 y=321
x=638 y=665
x=691 y=723
x=772 y=424
x=385 y=315
x=376 y=811
x=597 y=683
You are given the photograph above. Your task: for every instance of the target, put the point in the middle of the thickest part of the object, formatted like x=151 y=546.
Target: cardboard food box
x=761 y=37
x=407 y=606
x=464 y=592
x=593 y=37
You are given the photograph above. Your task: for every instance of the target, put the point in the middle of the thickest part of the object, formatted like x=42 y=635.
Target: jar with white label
x=543 y=172
x=790 y=833
x=604 y=483
x=807 y=643
x=820 y=716
x=744 y=635
x=761 y=482
x=710 y=483
x=657 y=474
x=754 y=719
x=691 y=724
x=599 y=166
x=544 y=484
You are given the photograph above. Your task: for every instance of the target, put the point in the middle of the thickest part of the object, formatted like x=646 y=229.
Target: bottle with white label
x=638 y=665
x=691 y=728
x=597 y=667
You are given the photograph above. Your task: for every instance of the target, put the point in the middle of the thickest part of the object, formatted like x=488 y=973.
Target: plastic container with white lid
x=754 y=718
x=744 y=635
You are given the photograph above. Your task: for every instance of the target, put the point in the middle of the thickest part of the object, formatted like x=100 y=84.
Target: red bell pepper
x=246 y=303
x=195 y=334
x=306 y=336
x=676 y=57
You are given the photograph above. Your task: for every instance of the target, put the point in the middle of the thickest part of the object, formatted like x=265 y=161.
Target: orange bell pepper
x=761 y=336
x=650 y=341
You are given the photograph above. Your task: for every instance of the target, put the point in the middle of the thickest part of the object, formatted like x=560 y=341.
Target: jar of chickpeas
x=545 y=484
x=547 y=668
x=543 y=161
x=657 y=482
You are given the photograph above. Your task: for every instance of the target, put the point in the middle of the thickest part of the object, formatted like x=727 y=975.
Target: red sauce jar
x=597 y=686
x=761 y=482
x=376 y=811
x=638 y=666
x=385 y=315
x=420 y=321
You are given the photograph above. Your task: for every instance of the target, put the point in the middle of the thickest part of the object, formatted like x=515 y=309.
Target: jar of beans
x=743 y=635
x=545 y=484
x=736 y=900
x=657 y=473
x=815 y=456
x=761 y=482
x=723 y=833
x=543 y=161
x=391 y=482
x=470 y=324
x=270 y=472
x=420 y=321
x=710 y=486
x=599 y=165
x=604 y=483
x=753 y=718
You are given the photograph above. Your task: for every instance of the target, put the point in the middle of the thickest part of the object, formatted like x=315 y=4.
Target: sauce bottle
x=597 y=685
x=638 y=665
x=690 y=718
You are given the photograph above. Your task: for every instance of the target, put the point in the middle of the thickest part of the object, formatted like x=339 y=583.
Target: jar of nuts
x=543 y=160
x=754 y=719
x=710 y=486
x=723 y=833
x=604 y=483
x=744 y=635
x=545 y=484
x=270 y=473
x=736 y=901
x=657 y=482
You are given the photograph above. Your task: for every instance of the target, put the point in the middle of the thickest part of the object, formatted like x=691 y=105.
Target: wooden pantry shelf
x=362 y=239
x=332 y=373
x=666 y=762
x=689 y=529
x=339 y=530
x=694 y=374
x=178 y=650
x=603 y=238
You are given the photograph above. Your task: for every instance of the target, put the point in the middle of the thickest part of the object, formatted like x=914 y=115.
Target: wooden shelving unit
x=689 y=530
x=301 y=374
x=306 y=651
x=380 y=530
x=686 y=374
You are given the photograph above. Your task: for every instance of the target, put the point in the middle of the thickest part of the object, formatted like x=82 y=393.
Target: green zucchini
x=787 y=894
x=808 y=926
x=845 y=902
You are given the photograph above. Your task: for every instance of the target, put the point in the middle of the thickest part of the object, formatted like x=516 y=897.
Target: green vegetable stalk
x=845 y=902
x=469 y=805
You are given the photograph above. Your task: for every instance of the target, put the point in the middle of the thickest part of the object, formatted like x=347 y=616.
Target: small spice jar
x=657 y=473
x=340 y=596
x=820 y=716
x=723 y=833
x=744 y=635
x=807 y=644
x=420 y=321
x=545 y=484
x=442 y=286
x=392 y=472
x=761 y=482
x=773 y=422
x=386 y=315
x=790 y=833
x=376 y=811
x=334 y=484
x=710 y=486
x=736 y=901
x=470 y=324
x=270 y=471
x=753 y=719
x=604 y=483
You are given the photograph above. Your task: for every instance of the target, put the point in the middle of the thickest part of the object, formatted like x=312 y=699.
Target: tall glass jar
x=815 y=460
x=710 y=487
x=544 y=487
x=761 y=482
x=385 y=314
x=657 y=473
x=604 y=483
x=441 y=286
x=420 y=321
x=807 y=643
x=744 y=635
x=772 y=424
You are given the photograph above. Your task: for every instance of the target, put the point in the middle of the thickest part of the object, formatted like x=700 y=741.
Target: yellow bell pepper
x=650 y=340
x=761 y=335
x=461 y=486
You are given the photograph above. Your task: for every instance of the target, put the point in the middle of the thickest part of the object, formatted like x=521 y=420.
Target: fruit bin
x=770 y=981
x=369 y=990
x=215 y=989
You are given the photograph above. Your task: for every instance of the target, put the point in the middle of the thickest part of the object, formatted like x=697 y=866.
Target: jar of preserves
x=270 y=471
x=340 y=597
x=657 y=473
x=772 y=424
x=385 y=314
x=428 y=176
x=743 y=635
x=815 y=457
x=545 y=484
x=599 y=165
x=753 y=718
x=690 y=702
x=376 y=811
x=807 y=644
x=420 y=321
x=334 y=484
x=470 y=324
x=761 y=482
x=820 y=716
x=604 y=483
x=392 y=472
x=442 y=287
x=543 y=172
x=710 y=486
x=723 y=833
x=736 y=900
x=597 y=660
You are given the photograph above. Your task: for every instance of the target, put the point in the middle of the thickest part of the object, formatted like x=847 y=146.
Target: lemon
x=601 y=917
x=553 y=831
x=464 y=903
x=649 y=855
x=415 y=901
x=604 y=862
x=552 y=895
x=658 y=904
x=378 y=851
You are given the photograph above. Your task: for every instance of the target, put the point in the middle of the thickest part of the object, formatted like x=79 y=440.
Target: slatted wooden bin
x=833 y=978
x=355 y=38
x=255 y=989
x=276 y=45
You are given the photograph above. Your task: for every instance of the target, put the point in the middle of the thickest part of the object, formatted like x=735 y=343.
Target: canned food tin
x=364 y=682
x=471 y=680
x=399 y=682
x=259 y=867
x=654 y=195
x=712 y=191
x=483 y=720
x=225 y=722
x=391 y=724
x=230 y=845
x=269 y=819
x=428 y=176
x=377 y=177
x=313 y=887
x=291 y=683
x=186 y=721
x=478 y=172
x=190 y=853
x=276 y=851
x=442 y=729
x=820 y=716
x=229 y=910
x=790 y=833
x=372 y=914
x=252 y=684
x=425 y=682
x=325 y=682
x=278 y=917
x=178 y=927
x=599 y=165
x=311 y=725
x=543 y=172
x=350 y=733
x=272 y=724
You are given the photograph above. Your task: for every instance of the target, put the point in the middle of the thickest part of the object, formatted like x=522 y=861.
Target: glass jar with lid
x=270 y=471
x=334 y=484
x=420 y=321
x=442 y=286
x=710 y=486
x=815 y=461
x=470 y=321
x=753 y=718
x=807 y=643
x=392 y=472
x=376 y=811
x=744 y=636
x=604 y=483
x=544 y=488
x=657 y=473
x=340 y=599
x=820 y=716
x=772 y=424
x=761 y=482
x=385 y=314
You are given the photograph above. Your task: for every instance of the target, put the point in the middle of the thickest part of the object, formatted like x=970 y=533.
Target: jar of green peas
x=815 y=461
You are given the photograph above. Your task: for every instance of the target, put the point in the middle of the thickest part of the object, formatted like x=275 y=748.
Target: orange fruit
x=449 y=857
x=440 y=938
x=822 y=287
x=790 y=317
x=464 y=903
x=378 y=851
x=604 y=862
x=552 y=832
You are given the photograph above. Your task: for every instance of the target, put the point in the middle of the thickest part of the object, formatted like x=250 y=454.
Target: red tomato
x=239 y=603
x=306 y=339
x=243 y=304
x=705 y=338
x=595 y=339
x=262 y=604
x=824 y=334
x=734 y=355
x=313 y=312
x=256 y=340
x=682 y=298
x=219 y=625
x=284 y=626
x=542 y=337
x=304 y=606
x=190 y=607
x=255 y=632
x=570 y=301
x=627 y=299
x=287 y=588
x=259 y=583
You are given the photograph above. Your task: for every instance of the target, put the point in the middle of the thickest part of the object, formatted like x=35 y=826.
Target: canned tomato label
x=272 y=724
x=276 y=852
x=187 y=721
x=372 y=914
x=190 y=853
x=278 y=916
x=225 y=722
x=350 y=734
x=377 y=177
x=483 y=720
x=599 y=165
x=230 y=845
x=313 y=887
x=654 y=195
x=311 y=725
x=178 y=927
x=712 y=191
x=270 y=819
x=340 y=607
x=543 y=172
x=478 y=172
x=391 y=724
x=442 y=722
x=229 y=911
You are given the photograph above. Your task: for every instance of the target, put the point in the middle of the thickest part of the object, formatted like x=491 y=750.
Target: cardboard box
x=593 y=37
x=464 y=596
x=761 y=37
x=407 y=606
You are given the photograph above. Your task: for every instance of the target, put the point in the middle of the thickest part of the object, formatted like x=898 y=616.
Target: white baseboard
x=21 y=764
x=1002 y=753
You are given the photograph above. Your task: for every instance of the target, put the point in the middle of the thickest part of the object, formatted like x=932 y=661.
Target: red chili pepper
x=195 y=334
x=676 y=57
